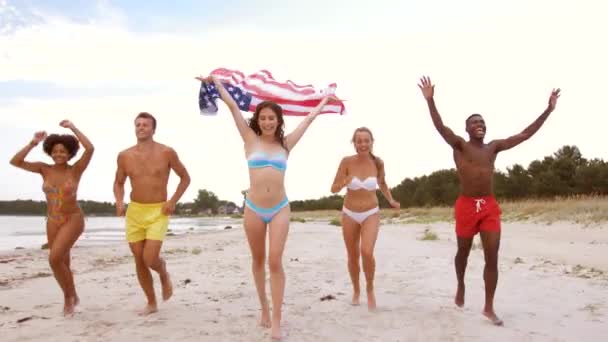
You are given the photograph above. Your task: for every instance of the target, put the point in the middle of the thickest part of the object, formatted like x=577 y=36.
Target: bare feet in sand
x=492 y=317
x=149 y=309
x=70 y=304
x=459 y=299
x=355 y=300
x=275 y=333
x=265 y=319
x=371 y=300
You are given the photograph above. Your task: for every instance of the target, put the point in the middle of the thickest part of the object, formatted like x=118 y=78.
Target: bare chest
x=144 y=165
x=474 y=156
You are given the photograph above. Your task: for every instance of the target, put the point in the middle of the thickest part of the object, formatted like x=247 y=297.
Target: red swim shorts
x=475 y=214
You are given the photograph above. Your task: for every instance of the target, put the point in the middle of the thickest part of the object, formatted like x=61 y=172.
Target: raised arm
x=184 y=182
x=83 y=162
x=428 y=90
x=119 y=184
x=342 y=178
x=514 y=140
x=292 y=138
x=18 y=159
x=386 y=191
x=241 y=124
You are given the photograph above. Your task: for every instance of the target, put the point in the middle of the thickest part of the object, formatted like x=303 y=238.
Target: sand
x=553 y=286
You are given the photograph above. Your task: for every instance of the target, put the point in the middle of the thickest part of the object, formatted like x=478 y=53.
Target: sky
x=99 y=63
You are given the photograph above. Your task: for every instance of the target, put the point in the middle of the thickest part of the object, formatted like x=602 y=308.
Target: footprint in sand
x=43 y=306
x=101 y=324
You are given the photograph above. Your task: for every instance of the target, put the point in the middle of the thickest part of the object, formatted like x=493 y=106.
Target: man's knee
x=491 y=260
x=150 y=261
x=463 y=251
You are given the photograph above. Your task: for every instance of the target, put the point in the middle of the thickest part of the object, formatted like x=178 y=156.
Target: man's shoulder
x=165 y=149
x=126 y=151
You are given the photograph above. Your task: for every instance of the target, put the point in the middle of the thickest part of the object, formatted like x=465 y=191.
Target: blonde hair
x=368 y=131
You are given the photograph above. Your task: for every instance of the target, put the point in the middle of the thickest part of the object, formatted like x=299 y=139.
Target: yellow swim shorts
x=145 y=221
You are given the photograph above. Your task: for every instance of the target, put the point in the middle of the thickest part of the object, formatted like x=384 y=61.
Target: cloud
x=100 y=73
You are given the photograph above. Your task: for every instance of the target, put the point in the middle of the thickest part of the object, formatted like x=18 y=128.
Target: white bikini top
x=370 y=183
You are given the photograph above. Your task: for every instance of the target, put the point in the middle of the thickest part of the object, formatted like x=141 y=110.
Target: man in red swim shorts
x=476 y=209
x=476 y=214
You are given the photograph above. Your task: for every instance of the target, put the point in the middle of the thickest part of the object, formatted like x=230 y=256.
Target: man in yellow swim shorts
x=148 y=165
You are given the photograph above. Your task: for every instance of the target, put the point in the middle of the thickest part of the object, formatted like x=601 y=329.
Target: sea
x=30 y=231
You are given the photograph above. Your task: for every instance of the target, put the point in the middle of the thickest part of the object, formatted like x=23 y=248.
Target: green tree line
x=565 y=173
x=206 y=202
x=29 y=207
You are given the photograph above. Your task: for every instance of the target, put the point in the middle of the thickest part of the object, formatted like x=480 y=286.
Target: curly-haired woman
x=65 y=219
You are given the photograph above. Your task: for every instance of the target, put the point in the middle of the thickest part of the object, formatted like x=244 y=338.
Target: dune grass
x=586 y=211
x=429 y=235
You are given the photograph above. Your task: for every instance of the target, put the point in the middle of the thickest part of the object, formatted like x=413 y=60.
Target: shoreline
x=30 y=232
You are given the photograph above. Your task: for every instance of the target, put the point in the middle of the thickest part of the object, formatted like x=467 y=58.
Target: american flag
x=249 y=91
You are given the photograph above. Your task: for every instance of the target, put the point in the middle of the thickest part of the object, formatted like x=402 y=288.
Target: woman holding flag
x=266 y=206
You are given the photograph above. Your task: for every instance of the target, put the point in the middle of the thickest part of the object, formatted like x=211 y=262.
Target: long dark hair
x=279 y=134
x=368 y=131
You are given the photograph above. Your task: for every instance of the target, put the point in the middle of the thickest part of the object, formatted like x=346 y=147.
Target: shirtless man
x=476 y=209
x=148 y=164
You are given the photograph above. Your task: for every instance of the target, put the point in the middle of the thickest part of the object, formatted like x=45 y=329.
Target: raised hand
x=553 y=98
x=38 y=137
x=207 y=79
x=66 y=124
x=331 y=97
x=426 y=87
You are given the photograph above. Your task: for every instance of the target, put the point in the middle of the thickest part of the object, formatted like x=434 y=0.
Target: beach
x=553 y=286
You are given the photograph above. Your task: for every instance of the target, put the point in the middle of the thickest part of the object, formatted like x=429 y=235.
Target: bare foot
x=371 y=300
x=265 y=319
x=68 y=307
x=459 y=299
x=492 y=317
x=275 y=333
x=355 y=300
x=167 y=289
x=149 y=309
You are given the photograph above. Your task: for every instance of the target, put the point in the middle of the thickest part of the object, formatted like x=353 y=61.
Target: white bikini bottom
x=362 y=216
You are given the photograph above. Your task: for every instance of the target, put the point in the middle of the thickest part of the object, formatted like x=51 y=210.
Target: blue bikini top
x=260 y=159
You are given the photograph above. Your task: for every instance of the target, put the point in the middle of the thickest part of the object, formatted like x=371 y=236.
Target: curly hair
x=278 y=111
x=67 y=140
x=368 y=131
